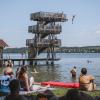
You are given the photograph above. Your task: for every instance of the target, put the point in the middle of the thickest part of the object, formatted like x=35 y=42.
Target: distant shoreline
x=87 y=49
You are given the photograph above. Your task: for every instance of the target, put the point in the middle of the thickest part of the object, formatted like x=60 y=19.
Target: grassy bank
x=62 y=91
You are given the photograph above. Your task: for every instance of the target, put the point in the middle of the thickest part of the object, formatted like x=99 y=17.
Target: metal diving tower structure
x=48 y=26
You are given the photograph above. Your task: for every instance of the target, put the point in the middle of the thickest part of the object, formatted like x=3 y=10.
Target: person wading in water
x=73 y=72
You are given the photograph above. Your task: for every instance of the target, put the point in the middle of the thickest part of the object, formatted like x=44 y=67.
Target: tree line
x=86 y=49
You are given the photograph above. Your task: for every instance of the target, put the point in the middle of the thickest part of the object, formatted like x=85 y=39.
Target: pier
x=30 y=61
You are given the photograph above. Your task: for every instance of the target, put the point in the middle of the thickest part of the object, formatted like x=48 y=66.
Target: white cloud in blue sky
x=15 y=19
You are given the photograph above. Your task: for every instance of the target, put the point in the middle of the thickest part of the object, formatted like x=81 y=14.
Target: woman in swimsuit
x=8 y=71
x=24 y=79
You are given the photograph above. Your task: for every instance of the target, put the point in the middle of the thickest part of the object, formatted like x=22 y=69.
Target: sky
x=85 y=31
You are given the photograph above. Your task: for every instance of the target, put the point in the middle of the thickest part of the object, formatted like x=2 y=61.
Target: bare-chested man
x=86 y=81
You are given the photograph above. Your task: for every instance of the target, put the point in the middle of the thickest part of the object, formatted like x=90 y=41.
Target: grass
x=62 y=91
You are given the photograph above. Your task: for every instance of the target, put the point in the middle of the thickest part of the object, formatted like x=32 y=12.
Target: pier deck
x=30 y=60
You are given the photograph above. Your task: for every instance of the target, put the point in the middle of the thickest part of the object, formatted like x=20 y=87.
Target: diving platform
x=48 y=26
x=48 y=16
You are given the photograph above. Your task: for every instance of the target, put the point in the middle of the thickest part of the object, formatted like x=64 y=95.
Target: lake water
x=61 y=70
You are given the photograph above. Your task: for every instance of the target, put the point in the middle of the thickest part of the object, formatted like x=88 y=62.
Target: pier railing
x=27 y=61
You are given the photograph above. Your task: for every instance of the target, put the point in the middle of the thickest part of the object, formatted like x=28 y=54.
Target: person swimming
x=34 y=71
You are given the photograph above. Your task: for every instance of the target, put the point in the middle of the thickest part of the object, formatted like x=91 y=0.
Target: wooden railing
x=56 y=29
x=43 y=42
x=48 y=16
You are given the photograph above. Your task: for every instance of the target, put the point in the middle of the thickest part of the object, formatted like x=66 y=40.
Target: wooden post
x=19 y=63
x=23 y=61
x=31 y=62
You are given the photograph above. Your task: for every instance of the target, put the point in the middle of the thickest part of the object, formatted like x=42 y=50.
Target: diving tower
x=48 y=26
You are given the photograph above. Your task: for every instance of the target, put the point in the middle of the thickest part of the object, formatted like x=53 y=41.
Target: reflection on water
x=61 y=70
x=46 y=73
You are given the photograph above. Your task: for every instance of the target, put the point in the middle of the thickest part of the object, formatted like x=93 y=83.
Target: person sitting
x=17 y=72
x=25 y=82
x=14 y=86
x=73 y=72
x=8 y=71
x=41 y=96
x=86 y=81
x=46 y=95
x=75 y=94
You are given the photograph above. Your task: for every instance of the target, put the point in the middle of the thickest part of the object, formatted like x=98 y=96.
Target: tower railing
x=55 y=29
x=43 y=42
x=48 y=16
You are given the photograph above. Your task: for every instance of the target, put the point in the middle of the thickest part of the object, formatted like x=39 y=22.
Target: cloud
x=97 y=29
x=98 y=32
